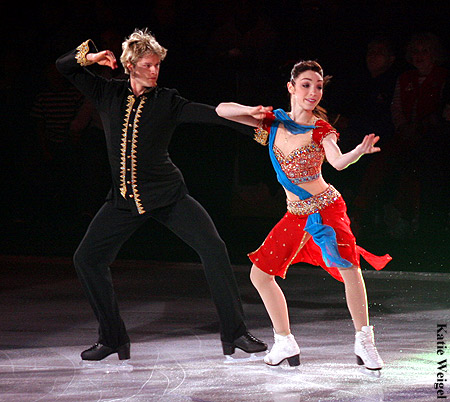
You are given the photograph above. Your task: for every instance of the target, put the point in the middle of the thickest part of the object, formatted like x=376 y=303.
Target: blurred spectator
x=444 y=207
x=417 y=114
x=372 y=114
x=242 y=48
x=376 y=90
x=243 y=56
x=53 y=112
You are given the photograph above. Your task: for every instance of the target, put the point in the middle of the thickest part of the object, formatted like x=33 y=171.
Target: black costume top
x=138 y=131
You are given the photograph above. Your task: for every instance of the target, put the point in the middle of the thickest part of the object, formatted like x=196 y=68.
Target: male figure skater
x=139 y=119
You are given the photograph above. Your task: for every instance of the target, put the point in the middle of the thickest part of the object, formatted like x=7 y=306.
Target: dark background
x=228 y=174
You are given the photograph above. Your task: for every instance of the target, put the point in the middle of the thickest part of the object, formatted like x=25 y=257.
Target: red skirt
x=288 y=243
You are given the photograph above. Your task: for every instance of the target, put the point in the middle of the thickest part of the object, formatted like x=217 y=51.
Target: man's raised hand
x=104 y=58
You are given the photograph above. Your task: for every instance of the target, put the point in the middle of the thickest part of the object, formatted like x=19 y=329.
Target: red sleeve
x=267 y=121
x=322 y=130
x=263 y=129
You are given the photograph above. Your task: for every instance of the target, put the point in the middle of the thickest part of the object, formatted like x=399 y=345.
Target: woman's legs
x=285 y=347
x=356 y=296
x=276 y=306
x=275 y=302
x=273 y=299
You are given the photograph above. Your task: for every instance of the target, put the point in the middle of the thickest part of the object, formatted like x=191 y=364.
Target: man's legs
x=107 y=232
x=189 y=220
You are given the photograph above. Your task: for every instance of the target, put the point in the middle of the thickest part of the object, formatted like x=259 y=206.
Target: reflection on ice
x=370 y=373
x=176 y=351
x=106 y=367
x=236 y=360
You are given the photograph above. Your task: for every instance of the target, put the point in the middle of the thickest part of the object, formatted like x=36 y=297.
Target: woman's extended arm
x=339 y=160
x=249 y=115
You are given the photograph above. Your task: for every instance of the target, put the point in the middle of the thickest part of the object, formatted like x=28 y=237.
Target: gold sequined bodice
x=303 y=164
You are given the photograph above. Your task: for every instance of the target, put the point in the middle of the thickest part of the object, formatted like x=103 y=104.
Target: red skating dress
x=288 y=243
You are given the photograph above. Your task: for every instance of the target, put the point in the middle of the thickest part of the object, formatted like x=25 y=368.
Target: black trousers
x=108 y=231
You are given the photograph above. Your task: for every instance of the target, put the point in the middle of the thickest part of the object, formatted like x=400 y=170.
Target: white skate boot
x=284 y=348
x=366 y=352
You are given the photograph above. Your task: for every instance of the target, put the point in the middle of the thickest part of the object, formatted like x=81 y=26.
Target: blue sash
x=323 y=235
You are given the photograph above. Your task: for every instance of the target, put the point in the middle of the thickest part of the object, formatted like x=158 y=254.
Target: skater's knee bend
x=219 y=245
x=259 y=278
x=80 y=259
x=353 y=271
x=213 y=246
x=86 y=257
x=352 y=275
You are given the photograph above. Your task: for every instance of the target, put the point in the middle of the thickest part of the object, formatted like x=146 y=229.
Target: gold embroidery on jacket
x=123 y=148
x=136 y=195
x=82 y=51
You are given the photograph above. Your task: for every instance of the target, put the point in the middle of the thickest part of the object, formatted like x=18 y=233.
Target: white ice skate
x=284 y=348
x=366 y=352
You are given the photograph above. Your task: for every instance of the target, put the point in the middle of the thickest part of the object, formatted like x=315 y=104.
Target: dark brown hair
x=311 y=65
x=305 y=65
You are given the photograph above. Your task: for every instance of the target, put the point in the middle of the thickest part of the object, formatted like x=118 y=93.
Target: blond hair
x=139 y=44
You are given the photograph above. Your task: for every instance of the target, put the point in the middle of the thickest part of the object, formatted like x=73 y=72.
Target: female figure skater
x=315 y=228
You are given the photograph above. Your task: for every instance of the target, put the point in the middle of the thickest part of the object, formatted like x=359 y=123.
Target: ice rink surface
x=45 y=322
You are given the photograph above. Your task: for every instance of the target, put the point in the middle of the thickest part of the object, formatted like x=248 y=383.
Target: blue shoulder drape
x=323 y=235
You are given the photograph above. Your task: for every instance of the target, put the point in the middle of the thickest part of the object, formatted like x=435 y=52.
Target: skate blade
x=283 y=366
x=235 y=360
x=370 y=373
x=104 y=367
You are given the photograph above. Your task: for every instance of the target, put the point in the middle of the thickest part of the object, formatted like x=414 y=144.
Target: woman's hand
x=104 y=58
x=367 y=146
x=259 y=112
x=249 y=115
x=340 y=161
